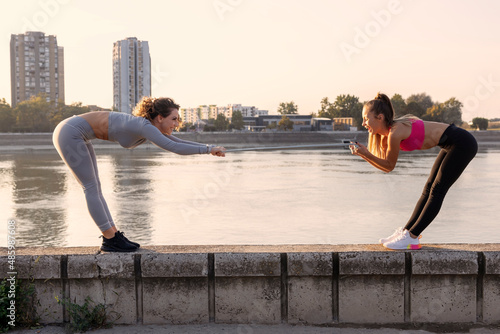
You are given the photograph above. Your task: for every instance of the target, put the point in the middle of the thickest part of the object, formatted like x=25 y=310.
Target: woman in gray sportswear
x=152 y=119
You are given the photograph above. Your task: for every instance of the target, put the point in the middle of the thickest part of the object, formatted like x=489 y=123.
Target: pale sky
x=263 y=52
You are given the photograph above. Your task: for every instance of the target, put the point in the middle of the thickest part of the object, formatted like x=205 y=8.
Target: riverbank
x=13 y=142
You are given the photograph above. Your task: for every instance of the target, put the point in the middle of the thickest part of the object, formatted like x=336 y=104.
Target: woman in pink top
x=387 y=136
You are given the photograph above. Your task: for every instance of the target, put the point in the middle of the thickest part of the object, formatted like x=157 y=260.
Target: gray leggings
x=72 y=141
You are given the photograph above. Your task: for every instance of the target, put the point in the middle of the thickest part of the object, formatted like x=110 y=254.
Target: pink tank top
x=416 y=138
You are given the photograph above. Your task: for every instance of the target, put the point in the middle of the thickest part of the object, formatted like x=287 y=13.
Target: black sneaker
x=122 y=235
x=117 y=244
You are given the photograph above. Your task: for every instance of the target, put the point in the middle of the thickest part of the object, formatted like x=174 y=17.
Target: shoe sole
x=120 y=250
x=410 y=247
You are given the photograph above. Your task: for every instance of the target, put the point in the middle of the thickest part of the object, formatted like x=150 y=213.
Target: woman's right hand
x=218 y=151
x=358 y=149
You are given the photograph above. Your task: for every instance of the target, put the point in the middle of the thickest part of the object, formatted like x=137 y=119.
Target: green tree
x=221 y=123
x=446 y=112
x=326 y=109
x=209 y=128
x=452 y=111
x=413 y=108
x=434 y=113
x=346 y=106
x=271 y=126
x=480 y=123
x=399 y=105
x=286 y=108
x=237 y=120
x=62 y=112
x=423 y=100
x=186 y=126
x=285 y=124
x=34 y=114
x=343 y=106
x=7 y=119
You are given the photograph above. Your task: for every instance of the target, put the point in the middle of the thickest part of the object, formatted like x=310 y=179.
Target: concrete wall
x=322 y=285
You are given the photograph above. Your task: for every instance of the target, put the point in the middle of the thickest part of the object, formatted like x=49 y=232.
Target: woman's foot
x=396 y=233
x=117 y=244
x=130 y=242
x=403 y=241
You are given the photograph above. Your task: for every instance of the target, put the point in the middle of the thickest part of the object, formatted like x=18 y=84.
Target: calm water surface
x=279 y=197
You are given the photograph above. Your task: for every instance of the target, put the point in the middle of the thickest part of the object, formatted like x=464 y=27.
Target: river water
x=324 y=196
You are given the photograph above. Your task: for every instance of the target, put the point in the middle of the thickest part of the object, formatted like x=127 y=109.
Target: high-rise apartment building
x=131 y=73
x=36 y=66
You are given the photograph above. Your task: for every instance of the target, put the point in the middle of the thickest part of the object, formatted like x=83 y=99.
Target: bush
x=87 y=316
x=25 y=311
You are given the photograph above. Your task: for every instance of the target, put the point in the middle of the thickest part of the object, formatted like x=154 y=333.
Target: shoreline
x=30 y=142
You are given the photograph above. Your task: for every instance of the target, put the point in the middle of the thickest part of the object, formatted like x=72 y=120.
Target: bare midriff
x=98 y=120
x=433 y=133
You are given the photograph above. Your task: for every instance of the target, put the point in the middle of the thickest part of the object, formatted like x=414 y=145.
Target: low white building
x=192 y=115
x=189 y=115
x=260 y=112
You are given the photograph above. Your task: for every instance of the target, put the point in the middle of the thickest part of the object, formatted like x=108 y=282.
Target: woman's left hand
x=218 y=151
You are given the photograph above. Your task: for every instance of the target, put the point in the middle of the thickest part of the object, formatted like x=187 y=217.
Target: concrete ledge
x=174 y=265
x=442 y=263
x=492 y=262
x=310 y=264
x=96 y=266
x=373 y=263
x=247 y=265
x=297 y=284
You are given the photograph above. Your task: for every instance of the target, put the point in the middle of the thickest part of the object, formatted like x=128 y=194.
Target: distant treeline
x=39 y=115
x=420 y=105
x=36 y=115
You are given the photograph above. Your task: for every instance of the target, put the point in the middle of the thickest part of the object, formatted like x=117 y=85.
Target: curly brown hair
x=150 y=107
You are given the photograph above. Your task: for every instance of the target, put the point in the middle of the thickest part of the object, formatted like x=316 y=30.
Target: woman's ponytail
x=382 y=105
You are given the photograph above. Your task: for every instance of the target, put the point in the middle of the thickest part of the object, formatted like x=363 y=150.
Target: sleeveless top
x=416 y=138
x=131 y=131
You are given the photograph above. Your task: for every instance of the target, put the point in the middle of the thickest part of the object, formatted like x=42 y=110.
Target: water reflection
x=38 y=191
x=310 y=196
x=132 y=181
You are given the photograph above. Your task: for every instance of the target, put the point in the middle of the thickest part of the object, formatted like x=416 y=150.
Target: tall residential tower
x=131 y=73
x=36 y=66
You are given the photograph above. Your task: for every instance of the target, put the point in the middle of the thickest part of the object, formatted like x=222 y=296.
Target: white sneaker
x=397 y=232
x=403 y=241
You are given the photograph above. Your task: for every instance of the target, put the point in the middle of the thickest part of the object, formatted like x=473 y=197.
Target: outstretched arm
x=214 y=150
x=385 y=165
x=154 y=135
x=178 y=140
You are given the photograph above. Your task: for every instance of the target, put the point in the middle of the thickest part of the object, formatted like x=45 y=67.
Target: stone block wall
x=325 y=285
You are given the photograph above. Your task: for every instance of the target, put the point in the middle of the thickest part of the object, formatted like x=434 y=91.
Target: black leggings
x=458 y=148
